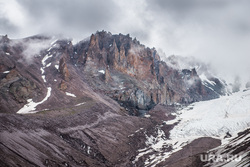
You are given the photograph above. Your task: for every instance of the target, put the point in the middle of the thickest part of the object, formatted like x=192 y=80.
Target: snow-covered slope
x=225 y=116
x=206 y=73
x=234 y=153
x=214 y=118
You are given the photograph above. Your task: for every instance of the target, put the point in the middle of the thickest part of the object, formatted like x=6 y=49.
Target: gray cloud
x=216 y=31
x=82 y=14
x=69 y=17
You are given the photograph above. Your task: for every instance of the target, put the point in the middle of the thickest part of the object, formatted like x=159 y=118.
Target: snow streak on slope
x=70 y=94
x=31 y=106
x=234 y=153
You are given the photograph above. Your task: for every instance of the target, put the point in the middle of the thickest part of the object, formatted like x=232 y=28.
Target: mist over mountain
x=211 y=31
x=160 y=83
x=109 y=100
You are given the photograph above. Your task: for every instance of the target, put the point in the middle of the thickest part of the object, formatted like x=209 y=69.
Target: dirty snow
x=212 y=118
x=215 y=117
x=31 y=106
x=226 y=161
x=171 y=122
x=70 y=94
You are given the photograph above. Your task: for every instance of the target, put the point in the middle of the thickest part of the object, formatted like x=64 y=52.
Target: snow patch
x=171 y=122
x=88 y=149
x=7 y=53
x=101 y=71
x=31 y=106
x=155 y=147
x=70 y=94
x=80 y=104
x=57 y=67
x=6 y=72
x=45 y=58
x=48 y=65
x=49 y=49
x=43 y=77
x=42 y=70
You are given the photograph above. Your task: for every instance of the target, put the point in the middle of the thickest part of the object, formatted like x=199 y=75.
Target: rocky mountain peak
x=156 y=81
x=4 y=39
x=119 y=66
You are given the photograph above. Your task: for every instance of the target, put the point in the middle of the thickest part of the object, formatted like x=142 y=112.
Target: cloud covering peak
x=214 y=31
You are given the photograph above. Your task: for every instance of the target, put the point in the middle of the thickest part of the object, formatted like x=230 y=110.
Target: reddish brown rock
x=63 y=85
x=63 y=69
x=150 y=80
x=12 y=74
x=107 y=75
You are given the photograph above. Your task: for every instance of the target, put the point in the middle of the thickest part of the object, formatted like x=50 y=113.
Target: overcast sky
x=216 y=31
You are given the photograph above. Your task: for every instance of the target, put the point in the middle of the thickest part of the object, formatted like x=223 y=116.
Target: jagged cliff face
x=137 y=75
x=115 y=65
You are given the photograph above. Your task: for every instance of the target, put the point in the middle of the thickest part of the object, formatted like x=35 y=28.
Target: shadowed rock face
x=139 y=70
x=96 y=86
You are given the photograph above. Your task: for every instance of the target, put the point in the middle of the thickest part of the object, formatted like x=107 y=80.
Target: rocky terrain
x=94 y=103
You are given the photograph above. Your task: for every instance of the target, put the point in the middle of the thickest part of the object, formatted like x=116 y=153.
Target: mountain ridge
x=95 y=103
x=121 y=56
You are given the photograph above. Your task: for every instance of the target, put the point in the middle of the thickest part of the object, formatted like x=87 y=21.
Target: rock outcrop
x=63 y=69
x=147 y=80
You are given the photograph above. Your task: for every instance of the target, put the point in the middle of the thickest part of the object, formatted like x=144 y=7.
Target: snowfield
x=214 y=118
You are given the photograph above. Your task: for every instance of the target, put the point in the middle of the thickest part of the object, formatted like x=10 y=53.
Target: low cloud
x=217 y=32
x=33 y=47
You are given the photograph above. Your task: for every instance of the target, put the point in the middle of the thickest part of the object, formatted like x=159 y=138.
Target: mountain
x=116 y=65
x=96 y=103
